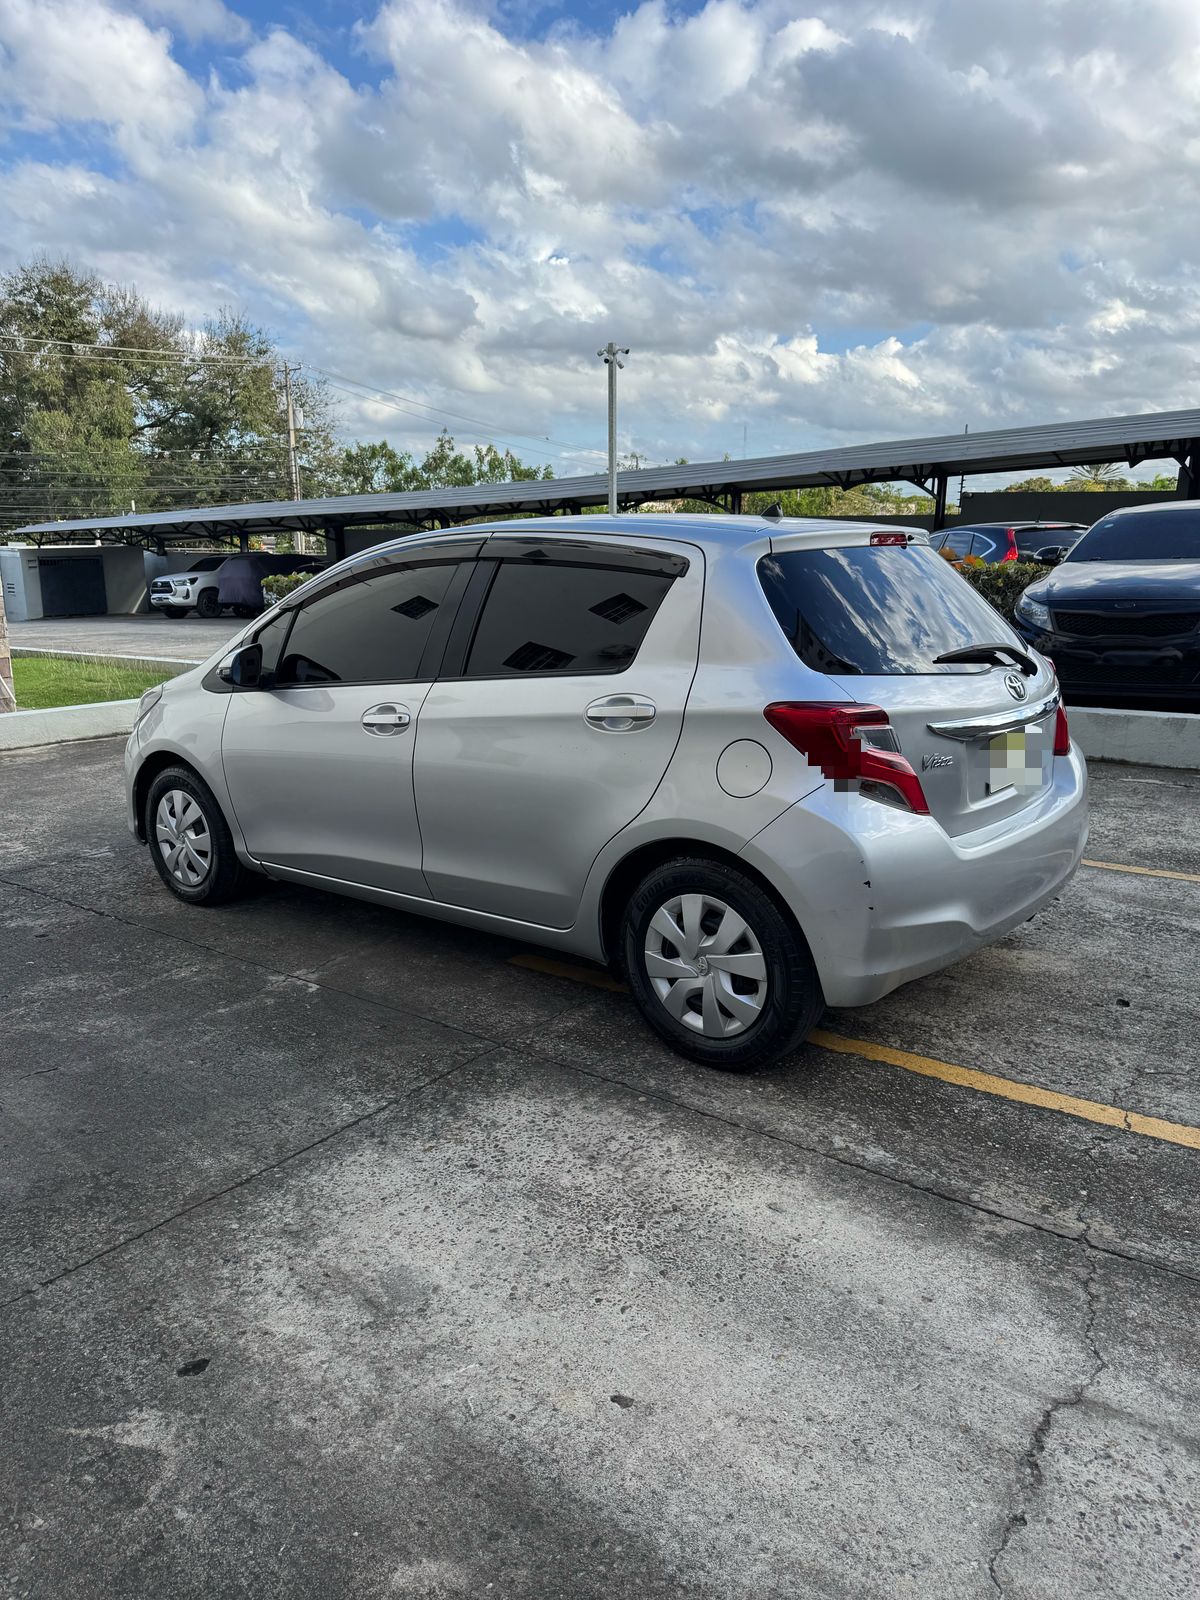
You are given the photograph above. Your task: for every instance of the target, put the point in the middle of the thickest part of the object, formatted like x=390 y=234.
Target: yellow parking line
x=1030 y=1094
x=596 y=976
x=1143 y=872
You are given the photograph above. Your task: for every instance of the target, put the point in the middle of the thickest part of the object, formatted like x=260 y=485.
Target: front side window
x=271 y=638
x=372 y=631
x=1141 y=536
x=872 y=609
x=541 y=618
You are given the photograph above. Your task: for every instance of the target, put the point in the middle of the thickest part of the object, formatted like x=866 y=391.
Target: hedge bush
x=278 y=584
x=1001 y=582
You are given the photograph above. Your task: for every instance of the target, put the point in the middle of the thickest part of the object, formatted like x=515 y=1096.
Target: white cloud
x=825 y=223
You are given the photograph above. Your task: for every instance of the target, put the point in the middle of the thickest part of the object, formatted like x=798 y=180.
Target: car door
x=318 y=760
x=558 y=709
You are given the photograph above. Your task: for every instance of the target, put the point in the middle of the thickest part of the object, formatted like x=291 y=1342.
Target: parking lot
x=349 y=1254
x=185 y=639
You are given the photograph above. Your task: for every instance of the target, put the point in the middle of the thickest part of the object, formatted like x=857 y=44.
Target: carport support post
x=244 y=542
x=939 y=502
x=335 y=543
x=8 y=699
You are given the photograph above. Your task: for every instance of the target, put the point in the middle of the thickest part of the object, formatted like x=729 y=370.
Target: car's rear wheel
x=190 y=839
x=246 y=611
x=207 y=603
x=716 y=967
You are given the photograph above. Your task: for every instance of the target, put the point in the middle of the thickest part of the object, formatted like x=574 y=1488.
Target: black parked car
x=1120 y=617
x=1004 y=541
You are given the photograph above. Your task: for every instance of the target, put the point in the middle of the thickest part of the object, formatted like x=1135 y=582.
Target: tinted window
x=549 y=618
x=876 y=610
x=271 y=638
x=1141 y=536
x=984 y=546
x=373 y=631
x=936 y=541
x=958 y=541
x=208 y=563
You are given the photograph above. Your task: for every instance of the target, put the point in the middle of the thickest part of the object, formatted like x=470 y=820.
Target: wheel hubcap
x=706 y=965
x=181 y=829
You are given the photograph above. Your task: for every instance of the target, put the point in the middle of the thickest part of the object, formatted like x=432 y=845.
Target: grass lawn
x=44 y=681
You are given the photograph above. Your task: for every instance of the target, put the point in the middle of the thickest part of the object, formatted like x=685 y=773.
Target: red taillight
x=1062 y=734
x=889 y=538
x=849 y=743
x=1011 y=553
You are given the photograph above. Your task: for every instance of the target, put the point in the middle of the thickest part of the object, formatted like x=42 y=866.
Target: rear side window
x=541 y=618
x=869 y=609
x=373 y=631
x=958 y=541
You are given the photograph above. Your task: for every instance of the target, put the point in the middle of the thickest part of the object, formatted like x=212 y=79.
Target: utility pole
x=611 y=357
x=8 y=699
x=293 y=458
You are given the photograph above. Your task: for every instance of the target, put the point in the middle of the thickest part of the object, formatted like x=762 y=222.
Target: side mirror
x=244 y=668
x=1051 y=555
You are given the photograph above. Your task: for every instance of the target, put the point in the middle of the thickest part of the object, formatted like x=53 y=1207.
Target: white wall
x=22 y=585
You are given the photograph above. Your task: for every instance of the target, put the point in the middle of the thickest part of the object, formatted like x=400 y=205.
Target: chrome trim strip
x=997 y=722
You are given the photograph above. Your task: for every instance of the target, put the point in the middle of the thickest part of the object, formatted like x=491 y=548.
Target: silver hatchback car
x=762 y=767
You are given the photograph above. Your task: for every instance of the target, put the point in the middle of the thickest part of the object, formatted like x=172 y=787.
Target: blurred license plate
x=1015 y=760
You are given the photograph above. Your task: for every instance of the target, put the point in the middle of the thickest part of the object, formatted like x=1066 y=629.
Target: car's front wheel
x=207 y=603
x=716 y=967
x=190 y=839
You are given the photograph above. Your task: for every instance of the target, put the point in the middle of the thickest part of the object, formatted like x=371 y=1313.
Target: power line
x=79 y=347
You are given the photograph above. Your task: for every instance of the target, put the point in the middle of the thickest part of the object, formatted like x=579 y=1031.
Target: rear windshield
x=1142 y=536
x=877 y=609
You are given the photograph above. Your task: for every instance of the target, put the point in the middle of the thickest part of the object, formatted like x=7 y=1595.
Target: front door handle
x=386 y=719
x=620 y=713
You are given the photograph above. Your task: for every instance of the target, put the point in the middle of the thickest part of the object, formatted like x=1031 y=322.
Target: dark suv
x=1120 y=617
x=1004 y=541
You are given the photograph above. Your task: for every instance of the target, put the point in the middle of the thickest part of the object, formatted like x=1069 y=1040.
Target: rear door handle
x=620 y=713
x=386 y=719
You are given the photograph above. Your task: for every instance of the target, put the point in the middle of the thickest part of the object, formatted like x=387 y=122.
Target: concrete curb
x=1145 y=738
x=32 y=652
x=21 y=729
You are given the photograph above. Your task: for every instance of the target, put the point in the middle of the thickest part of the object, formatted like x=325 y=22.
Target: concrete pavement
x=344 y=1257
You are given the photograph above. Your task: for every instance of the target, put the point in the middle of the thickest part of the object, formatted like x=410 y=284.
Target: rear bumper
x=884 y=896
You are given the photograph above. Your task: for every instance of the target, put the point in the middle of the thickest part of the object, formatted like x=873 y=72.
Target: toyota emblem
x=1015 y=684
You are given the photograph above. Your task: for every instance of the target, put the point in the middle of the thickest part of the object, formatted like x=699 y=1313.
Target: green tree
x=108 y=402
x=1100 y=475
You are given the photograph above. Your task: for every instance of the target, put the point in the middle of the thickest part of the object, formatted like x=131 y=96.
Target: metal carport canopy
x=1166 y=434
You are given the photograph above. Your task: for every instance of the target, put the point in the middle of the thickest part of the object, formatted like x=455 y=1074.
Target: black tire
x=207 y=603
x=247 y=611
x=788 y=996
x=225 y=878
x=175 y=613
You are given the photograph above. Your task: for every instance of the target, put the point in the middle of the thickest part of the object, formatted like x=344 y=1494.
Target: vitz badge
x=936 y=761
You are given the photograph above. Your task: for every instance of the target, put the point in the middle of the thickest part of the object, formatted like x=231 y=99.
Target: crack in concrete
x=1032 y=1477
x=246 y=1178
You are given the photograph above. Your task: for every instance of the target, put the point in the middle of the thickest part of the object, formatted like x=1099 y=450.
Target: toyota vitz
x=760 y=766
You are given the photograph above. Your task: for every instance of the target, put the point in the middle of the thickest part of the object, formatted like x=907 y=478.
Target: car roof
x=1156 y=505
x=1017 y=526
x=716 y=532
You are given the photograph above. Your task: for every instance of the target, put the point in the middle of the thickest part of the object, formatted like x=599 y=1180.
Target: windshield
x=1142 y=536
x=865 y=609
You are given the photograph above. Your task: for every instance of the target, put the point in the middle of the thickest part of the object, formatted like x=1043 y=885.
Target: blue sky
x=812 y=223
